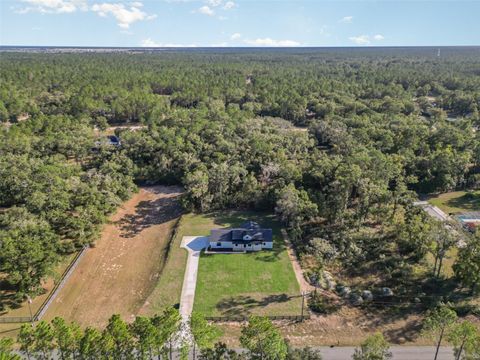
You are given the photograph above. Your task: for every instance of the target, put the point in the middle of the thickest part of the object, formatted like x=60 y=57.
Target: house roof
x=250 y=228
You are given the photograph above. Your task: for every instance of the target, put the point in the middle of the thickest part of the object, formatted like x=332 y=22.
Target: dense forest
x=339 y=143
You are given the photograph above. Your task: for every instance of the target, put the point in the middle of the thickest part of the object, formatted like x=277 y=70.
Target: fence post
x=303 y=304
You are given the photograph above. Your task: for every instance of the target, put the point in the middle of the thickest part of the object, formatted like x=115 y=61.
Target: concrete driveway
x=194 y=245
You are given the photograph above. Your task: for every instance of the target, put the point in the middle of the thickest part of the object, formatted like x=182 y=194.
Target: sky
x=163 y=23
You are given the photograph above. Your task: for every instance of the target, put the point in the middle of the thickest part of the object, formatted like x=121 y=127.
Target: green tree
x=28 y=248
x=442 y=241
x=263 y=340
x=438 y=323
x=6 y=347
x=144 y=333
x=26 y=339
x=204 y=334
x=467 y=265
x=90 y=344
x=167 y=325
x=294 y=206
x=43 y=335
x=121 y=336
x=375 y=347
x=465 y=337
x=66 y=336
x=220 y=352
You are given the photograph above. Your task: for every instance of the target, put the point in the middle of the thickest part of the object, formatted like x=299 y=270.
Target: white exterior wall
x=238 y=247
x=257 y=247
x=223 y=245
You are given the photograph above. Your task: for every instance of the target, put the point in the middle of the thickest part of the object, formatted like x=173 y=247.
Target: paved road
x=193 y=244
x=345 y=353
x=399 y=353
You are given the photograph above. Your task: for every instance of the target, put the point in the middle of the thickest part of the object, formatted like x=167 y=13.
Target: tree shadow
x=469 y=202
x=409 y=332
x=147 y=214
x=244 y=305
x=8 y=300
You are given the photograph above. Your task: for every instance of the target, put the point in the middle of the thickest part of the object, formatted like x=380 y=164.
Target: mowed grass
x=261 y=283
x=168 y=289
x=457 y=202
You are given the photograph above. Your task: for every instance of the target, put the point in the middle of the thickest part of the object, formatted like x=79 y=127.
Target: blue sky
x=239 y=23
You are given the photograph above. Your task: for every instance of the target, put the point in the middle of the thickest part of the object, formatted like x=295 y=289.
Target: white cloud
x=229 y=5
x=52 y=6
x=136 y=4
x=360 y=40
x=206 y=10
x=346 y=19
x=366 y=39
x=236 y=36
x=151 y=43
x=124 y=16
x=214 y=3
x=271 y=42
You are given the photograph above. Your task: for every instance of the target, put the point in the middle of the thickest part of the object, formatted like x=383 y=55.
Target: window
x=249 y=245
x=219 y=244
x=264 y=244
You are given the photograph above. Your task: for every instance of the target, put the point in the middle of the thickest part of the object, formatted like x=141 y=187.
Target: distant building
x=248 y=237
x=110 y=140
x=470 y=220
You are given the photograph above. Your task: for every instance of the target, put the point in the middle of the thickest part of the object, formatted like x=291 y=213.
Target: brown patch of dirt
x=120 y=272
x=347 y=327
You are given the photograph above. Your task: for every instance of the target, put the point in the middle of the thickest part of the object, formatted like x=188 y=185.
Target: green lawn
x=457 y=202
x=240 y=284
x=169 y=286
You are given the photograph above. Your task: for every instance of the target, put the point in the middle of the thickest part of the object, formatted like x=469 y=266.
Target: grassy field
x=169 y=286
x=457 y=202
x=241 y=284
x=121 y=271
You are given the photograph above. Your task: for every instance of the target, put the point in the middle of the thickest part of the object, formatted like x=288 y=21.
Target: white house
x=248 y=237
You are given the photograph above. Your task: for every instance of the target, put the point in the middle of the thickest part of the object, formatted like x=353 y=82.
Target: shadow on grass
x=244 y=305
x=147 y=214
x=468 y=202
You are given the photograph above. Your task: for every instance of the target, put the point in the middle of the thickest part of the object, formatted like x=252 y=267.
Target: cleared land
x=457 y=202
x=347 y=327
x=121 y=271
x=241 y=284
x=168 y=289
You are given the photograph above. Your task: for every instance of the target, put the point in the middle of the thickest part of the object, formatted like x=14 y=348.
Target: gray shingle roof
x=237 y=234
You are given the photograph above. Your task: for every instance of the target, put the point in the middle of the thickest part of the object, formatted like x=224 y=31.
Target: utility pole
x=29 y=301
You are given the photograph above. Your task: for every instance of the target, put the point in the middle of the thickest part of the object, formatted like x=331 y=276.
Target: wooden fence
x=15 y=320
x=297 y=318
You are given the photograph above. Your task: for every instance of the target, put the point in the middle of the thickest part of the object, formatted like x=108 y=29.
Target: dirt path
x=304 y=285
x=119 y=273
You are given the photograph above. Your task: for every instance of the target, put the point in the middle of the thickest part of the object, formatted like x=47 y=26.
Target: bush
x=321 y=304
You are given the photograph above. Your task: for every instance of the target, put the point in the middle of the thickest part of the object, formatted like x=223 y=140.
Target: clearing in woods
x=260 y=283
x=121 y=271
